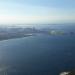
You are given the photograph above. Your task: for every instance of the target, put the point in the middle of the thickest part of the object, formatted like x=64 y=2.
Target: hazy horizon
x=37 y=11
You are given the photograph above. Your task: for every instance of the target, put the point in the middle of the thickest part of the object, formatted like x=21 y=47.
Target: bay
x=37 y=55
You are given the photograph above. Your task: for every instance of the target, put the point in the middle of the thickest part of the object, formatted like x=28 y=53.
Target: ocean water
x=37 y=55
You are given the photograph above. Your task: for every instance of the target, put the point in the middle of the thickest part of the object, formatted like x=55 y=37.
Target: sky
x=37 y=11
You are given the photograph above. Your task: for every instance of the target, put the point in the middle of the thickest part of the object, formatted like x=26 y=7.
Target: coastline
x=15 y=37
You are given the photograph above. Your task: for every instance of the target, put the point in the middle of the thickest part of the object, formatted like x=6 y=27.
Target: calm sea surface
x=37 y=55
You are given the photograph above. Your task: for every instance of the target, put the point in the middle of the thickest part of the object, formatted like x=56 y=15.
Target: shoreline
x=14 y=38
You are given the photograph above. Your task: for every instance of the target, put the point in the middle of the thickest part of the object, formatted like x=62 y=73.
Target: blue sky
x=37 y=11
